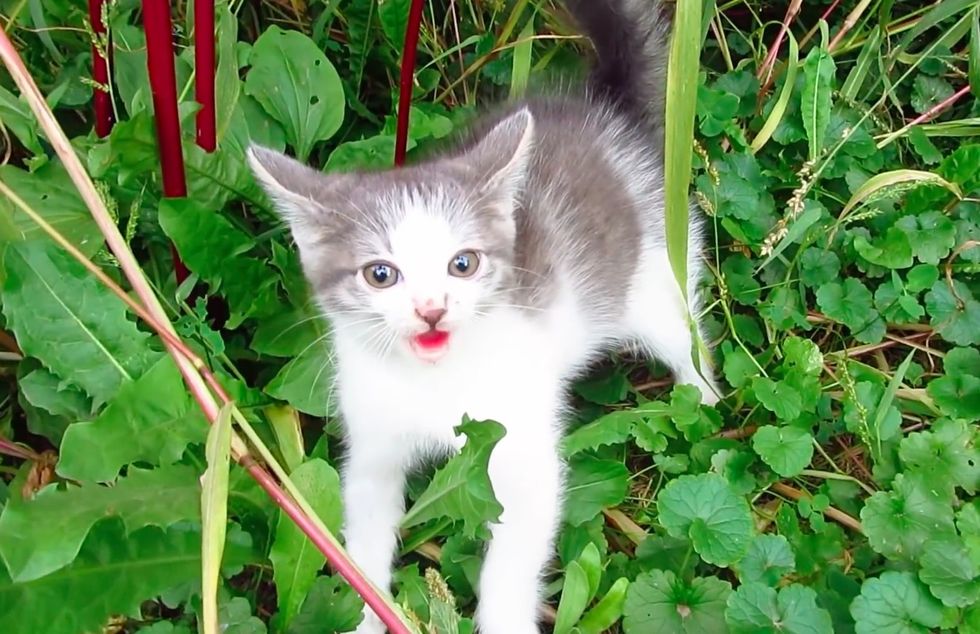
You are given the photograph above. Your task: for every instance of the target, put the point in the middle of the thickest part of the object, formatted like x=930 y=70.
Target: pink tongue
x=432 y=339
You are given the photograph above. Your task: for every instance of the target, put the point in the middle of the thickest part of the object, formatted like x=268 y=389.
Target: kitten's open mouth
x=431 y=345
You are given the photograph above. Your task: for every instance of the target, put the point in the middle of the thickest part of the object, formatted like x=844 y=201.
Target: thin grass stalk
x=101 y=97
x=163 y=86
x=204 y=69
x=187 y=363
x=407 y=80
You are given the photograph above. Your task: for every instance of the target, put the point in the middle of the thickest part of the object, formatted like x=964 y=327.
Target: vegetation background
x=832 y=490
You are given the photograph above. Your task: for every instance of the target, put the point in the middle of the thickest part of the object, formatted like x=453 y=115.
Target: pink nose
x=431 y=316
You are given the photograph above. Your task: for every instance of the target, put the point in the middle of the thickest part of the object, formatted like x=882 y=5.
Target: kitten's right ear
x=294 y=188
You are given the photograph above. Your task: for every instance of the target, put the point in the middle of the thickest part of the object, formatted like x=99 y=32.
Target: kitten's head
x=405 y=258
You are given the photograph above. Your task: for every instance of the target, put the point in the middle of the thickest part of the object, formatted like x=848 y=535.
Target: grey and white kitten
x=482 y=282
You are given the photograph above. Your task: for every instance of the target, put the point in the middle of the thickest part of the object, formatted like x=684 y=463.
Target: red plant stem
x=407 y=79
x=337 y=561
x=163 y=86
x=765 y=70
x=204 y=69
x=101 y=99
x=940 y=107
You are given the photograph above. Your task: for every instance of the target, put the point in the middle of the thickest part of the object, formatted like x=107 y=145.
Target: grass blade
x=892 y=179
x=521 y=69
x=782 y=102
x=974 y=67
x=214 y=514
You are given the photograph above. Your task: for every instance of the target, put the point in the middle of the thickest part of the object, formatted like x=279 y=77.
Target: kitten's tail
x=631 y=42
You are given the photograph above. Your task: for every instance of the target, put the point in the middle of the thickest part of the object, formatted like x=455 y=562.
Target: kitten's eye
x=380 y=274
x=464 y=264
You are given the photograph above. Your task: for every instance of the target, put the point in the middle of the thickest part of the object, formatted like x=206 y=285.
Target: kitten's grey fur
x=562 y=197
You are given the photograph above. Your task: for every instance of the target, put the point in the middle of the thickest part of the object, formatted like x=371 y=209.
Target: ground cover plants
x=832 y=490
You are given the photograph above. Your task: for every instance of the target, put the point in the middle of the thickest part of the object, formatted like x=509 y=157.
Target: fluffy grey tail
x=631 y=42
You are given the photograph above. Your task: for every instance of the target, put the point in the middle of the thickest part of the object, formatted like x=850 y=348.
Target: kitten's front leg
x=526 y=474
x=374 y=503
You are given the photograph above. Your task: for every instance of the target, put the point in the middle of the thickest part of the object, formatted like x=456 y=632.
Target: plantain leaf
x=818 y=73
x=69 y=321
x=113 y=573
x=45 y=534
x=152 y=419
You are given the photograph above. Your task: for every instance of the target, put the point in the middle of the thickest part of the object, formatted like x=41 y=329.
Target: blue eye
x=464 y=264
x=380 y=274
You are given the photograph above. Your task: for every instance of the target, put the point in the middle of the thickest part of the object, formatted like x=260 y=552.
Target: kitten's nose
x=431 y=316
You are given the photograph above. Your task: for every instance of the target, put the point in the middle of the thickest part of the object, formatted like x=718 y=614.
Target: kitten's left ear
x=502 y=158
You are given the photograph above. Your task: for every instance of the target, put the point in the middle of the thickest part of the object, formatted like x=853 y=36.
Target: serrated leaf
x=658 y=601
x=930 y=235
x=295 y=560
x=947 y=452
x=310 y=106
x=949 y=571
x=768 y=559
x=592 y=485
x=113 y=574
x=331 y=605
x=705 y=509
x=898 y=522
x=461 y=490
x=895 y=603
x=758 y=609
x=45 y=534
x=69 y=321
x=815 y=101
x=152 y=419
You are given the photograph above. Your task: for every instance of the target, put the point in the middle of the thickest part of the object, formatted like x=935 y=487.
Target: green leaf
x=113 y=573
x=787 y=450
x=17 y=117
x=849 y=303
x=898 y=522
x=781 y=398
x=612 y=429
x=298 y=86
x=895 y=603
x=574 y=598
x=818 y=267
x=818 y=83
x=248 y=283
x=705 y=509
x=769 y=558
x=956 y=317
x=957 y=396
x=305 y=381
x=607 y=611
x=235 y=617
x=70 y=322
x=593 y=485
x=152 y=419
x=330 y=606
x=295 y=560
x=737 y=271
x=758 y=609
x=952 y=575
x=461 y=490
x=893 y=251
x=928 y=91
x=659 y=601
x=45 y=534
x=214 y=515
x=930 y=235
x=947 y=452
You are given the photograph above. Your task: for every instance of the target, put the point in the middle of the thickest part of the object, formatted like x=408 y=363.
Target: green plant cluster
x=832 y=490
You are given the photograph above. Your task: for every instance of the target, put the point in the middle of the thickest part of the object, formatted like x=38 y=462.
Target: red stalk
x=163 y=86
x=204 y=69
x=102 y=101
x=407 y=79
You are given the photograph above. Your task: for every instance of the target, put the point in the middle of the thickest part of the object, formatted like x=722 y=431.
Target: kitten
x=482 y=282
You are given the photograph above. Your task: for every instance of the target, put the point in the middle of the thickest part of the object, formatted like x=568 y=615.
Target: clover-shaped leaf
x=706 y=510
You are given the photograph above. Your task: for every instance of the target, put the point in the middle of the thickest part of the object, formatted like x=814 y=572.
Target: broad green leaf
x=235 y=617
x=787 y=450
x=68 y=320
x=593 y=484
x=818 y=267
x=892 y=251
x=849 y=303
x=45 y=534
x=818 y=75
x=607 y=611
x=779 y=397
x=393 y=15
x=113 y=574
x=248 y=283
x=51 y=193
x=16 y=116
x=214 y=515
x=295 y=560
x=758 y=609
x=461 y=490
x=152 y=419
x=947 y=453
x=706 y=510
x=659 y=601
x=612 y=429
x=331 y=605
x=956 y=317
x=951 y=574
x=895 y=603
x=957 y=396
x=574 y=598
x=305 y=381
x=931 y=235
x=898 y=522
x=298 y=86
x=929 y=91
x=769 y=558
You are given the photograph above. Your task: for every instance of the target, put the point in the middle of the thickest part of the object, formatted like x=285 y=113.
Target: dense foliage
x=832 y=490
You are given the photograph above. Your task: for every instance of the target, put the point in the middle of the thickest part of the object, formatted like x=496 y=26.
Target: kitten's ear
x=295 y=189
x=501 y=159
